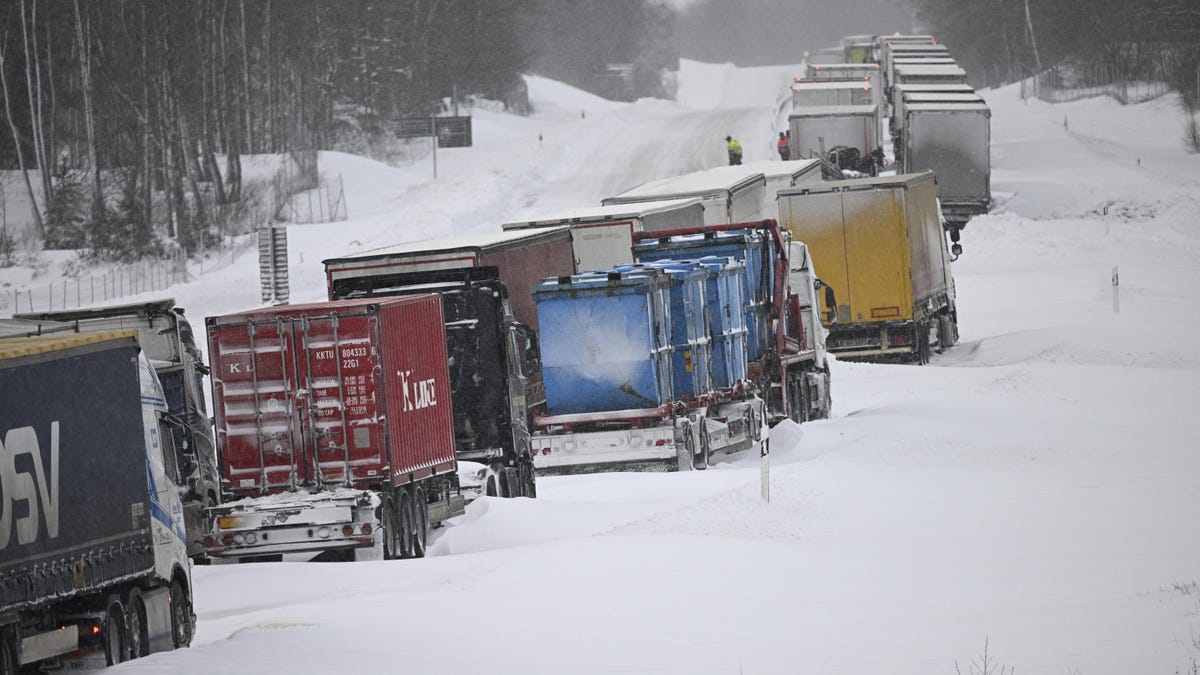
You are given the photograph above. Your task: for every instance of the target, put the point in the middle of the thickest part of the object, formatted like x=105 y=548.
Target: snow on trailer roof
x=949 y=107
x=933 y=87
x=942 y=97
x=603 y=212
x=809 y=85
x=718 y=179
x=778 y=168
x=905 y=69
x=912 y=47
x=904 y=180
x=481 y=240
x=844 y=66
x=833 y=110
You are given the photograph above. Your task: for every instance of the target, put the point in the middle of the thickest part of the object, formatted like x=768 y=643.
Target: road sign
x=451 y=132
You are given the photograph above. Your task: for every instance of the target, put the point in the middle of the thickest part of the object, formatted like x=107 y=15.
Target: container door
x=257 y=424
x=341 y=412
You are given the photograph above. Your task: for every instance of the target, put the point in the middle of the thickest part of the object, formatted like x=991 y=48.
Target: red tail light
x=366 y=528
x=347 y=530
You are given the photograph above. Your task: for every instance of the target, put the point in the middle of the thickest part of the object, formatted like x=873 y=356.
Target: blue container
x=748 y=246
x=727 y=321
x=606 y=340
x=690 y=336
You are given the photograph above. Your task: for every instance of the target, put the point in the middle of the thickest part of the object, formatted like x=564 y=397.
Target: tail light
x=347 y=530
x=367 y=529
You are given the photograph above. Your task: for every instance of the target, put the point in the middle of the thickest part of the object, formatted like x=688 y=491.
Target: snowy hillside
x=1034 y=487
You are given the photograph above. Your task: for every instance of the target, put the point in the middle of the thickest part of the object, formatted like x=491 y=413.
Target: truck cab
x=495 y=368
x=167 y=341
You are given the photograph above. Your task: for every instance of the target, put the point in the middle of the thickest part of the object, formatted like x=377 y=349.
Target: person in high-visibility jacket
x=735 y=150
x=783 y=146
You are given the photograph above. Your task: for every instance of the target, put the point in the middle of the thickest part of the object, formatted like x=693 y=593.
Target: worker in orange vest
x=784 y=146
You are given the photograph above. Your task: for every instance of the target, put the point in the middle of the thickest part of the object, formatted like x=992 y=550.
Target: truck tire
x=528 y=481
x=8 y=654
x=420 y=523
x=391 y=529
x=181 y=615
x=114 y=634
x=407 y=524
x=138 y=630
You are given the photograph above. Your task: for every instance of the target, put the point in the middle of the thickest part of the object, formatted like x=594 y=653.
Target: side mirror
x=831 y=303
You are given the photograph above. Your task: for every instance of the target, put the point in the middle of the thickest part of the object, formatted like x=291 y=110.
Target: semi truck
x=167 y=340
x=730 y=194
x=879 y=242
x=335 y=428
x=602 y=236
x=495 y=371
x=93 y=562
x=612 y=343
x=523 y=257
x=785 y=342
x=649 y=367
x=953 y=139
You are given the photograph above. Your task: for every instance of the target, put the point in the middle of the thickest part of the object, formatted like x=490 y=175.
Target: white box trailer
x=907 y=73
x=891 y=52
x=730 y=194
x=869 y=72
x=899 y=90
x=809 y=93
x=782 y=175
x=818 y=127
x=953 y=140
x=906 y=98
x=828 y=55
x=602 y=236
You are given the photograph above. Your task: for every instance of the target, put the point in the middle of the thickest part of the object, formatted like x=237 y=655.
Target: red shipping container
x=347 y=393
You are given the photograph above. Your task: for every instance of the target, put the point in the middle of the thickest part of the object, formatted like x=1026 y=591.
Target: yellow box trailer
x=880 y=244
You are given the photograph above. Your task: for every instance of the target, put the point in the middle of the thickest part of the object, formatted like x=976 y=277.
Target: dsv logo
x=17 y=487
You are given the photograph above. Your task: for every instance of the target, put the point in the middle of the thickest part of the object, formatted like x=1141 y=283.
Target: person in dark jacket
x=735 y=151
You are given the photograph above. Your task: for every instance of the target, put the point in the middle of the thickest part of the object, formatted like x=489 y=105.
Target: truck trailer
x=730 y=194
x=781 y=174
x=167 y=340
x=335 y=430
x=952 y=139
x=612 y=342
x=816 y=129
x=616 y=398
x=523 y=257
x=495 y=370
x=103 y=570
x=602 y=236
x=879 y=242
x=785 y=341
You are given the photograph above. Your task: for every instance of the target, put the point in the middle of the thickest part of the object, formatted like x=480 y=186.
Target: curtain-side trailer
x=92 y=552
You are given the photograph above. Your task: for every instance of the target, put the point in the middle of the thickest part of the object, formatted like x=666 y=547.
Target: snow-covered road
x=1035 y=487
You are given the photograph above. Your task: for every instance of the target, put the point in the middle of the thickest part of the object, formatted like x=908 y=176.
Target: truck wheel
x=528 y=481
x=139 y=633
x=407 y=525
x=114 y=634
x=420 y=522
x=391 y=530
x=8 y=655
x=181 y=615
